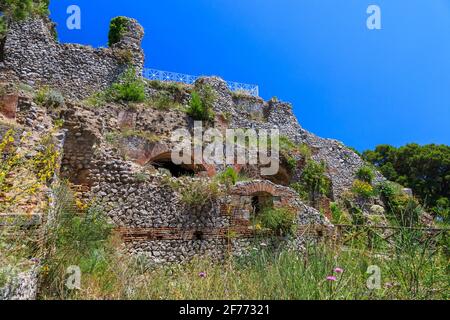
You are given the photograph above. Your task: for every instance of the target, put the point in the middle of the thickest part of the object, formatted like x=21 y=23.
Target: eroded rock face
x=151 y=215
x=8 y=105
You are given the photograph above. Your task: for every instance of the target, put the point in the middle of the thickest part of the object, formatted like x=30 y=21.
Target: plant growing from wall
x=163 y=101
x=313 y=183
x=288 y=148
x=195 y=193
x=402 y=208
x=22 y=9
x=23 y=178
x=228 y=177
x=278 y=221
x=201 y=104
x=48 y=98
x=363 y=189
x=338 y=214
x=366 y=174
x=117 y=28
x=45 y=162
x=129 y=88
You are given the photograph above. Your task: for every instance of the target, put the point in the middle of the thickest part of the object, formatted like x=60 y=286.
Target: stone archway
x=248 y=197
x=161 y=157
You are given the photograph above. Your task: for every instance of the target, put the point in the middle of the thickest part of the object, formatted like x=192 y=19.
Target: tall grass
x=411 y=268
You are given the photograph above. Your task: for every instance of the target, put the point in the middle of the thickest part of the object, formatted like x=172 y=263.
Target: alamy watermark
x=73 y=280
x=232 y=147
x=73 y=22
x=374 y=20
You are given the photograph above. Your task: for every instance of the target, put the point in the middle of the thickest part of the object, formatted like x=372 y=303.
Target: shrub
x=280 y=221
x=22 y=9
x=366 y=174
x=363 y=189
x=313 y=182
x=442 y=209
x=49 y=98
x=288 y=147
x=117 y=28
x=201 y=104
x=163 y=101
x=196 y=194
x=402 y=208
x=125 y=56
x=129 y=88
x=338 y=215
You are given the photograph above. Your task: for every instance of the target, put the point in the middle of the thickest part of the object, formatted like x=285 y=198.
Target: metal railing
x=167 y=76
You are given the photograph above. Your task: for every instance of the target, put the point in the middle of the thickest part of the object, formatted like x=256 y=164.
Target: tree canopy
x=424 y=169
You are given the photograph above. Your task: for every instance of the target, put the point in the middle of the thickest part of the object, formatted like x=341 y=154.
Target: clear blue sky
x=345 y=82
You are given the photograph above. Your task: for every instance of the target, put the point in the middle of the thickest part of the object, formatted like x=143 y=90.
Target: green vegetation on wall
x=201 y=104
x=129 y=88
x=118 y=26
x=22 y=9
x=279 y=221
x=313 y=183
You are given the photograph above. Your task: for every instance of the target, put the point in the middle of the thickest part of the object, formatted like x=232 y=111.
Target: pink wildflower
x=202 y=274
x=331 y=278
x=338 y=270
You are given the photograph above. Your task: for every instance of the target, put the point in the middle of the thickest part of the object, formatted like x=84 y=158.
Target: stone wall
x=33 y=56
x=342 y=162
x=21 y=287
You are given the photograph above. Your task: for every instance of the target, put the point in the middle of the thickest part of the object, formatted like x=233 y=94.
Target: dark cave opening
x=261 y=201
x=174 y=169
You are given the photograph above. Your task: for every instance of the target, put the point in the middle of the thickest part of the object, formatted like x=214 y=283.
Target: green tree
x=313 y=183
x=424 y=169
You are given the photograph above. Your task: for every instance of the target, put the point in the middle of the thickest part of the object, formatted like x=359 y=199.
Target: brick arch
x=285 y=195
x=162 y=152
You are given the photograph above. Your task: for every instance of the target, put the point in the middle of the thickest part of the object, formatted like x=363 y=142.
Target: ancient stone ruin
x=118 y=155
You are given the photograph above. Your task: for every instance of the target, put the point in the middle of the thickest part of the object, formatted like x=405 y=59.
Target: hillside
x=88 y=144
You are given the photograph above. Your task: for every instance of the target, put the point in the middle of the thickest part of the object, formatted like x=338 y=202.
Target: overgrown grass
x=229 y=177
x=195 y=193
x=409 y=268
x=164 y=101
x=266 y=275
x=49 y=98
x=74 y=238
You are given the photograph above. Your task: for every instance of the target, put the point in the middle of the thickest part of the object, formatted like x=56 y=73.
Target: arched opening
x=261 y=201
x=164 y=161
x=174 y=169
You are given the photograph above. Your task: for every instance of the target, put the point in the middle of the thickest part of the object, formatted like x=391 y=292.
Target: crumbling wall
x=342 y=163
x=33 y=55
x=21 y=287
